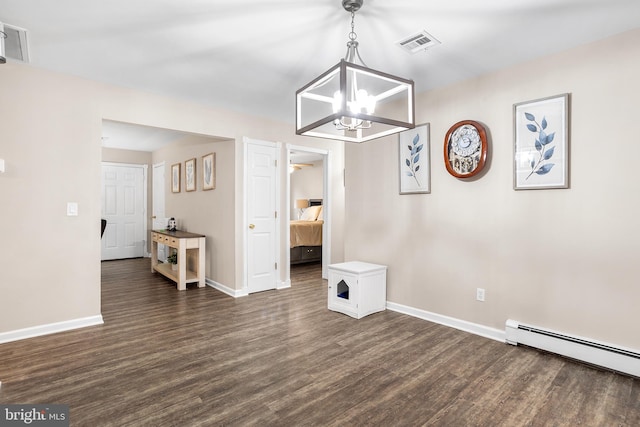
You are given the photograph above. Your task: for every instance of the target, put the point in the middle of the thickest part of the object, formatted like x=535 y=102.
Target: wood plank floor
x=280 y=358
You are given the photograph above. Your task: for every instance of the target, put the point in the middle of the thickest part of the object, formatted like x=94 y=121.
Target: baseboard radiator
x=596 y=353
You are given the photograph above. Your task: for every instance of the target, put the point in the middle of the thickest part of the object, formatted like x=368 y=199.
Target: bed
x=306 y=234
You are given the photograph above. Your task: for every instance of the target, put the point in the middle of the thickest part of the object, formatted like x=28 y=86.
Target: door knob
x=153 y=217
x=252 y=226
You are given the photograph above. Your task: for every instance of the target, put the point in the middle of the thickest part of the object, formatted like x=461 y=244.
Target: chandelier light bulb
x=337 y=101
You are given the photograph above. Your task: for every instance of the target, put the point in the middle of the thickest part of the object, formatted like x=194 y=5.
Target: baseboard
x=236 y=293
x=463 y=325
x=51 y=328
x=284 y=285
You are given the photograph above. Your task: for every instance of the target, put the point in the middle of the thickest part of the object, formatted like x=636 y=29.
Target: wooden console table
x=191 y=256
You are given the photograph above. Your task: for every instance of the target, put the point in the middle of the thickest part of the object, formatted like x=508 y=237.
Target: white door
x=123 y=206
x=159 y=220
x=262 y=243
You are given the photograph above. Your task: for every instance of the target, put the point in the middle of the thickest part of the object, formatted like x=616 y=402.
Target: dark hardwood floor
x=201 y=358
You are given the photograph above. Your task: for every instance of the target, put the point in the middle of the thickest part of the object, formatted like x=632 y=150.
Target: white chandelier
x=351 y=102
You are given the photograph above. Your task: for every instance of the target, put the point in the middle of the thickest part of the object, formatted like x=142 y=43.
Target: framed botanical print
x=209 y=171
x=175 y=178
x=414 y=160
x=190 y=175
x=541 y=143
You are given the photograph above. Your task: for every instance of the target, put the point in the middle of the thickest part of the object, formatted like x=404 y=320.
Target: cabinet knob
x=252 y=226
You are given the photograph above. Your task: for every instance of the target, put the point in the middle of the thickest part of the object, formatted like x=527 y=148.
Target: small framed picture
x=175 y=178
x=541 y=143
x=209 y=171
x=190 y=175
x=414 y=162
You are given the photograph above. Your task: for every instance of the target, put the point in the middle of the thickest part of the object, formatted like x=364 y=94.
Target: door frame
x=245 y=212
x=145 y=186
x=153 y=201
x=326 y=207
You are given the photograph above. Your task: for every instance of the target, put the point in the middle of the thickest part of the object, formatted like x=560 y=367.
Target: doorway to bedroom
x=308 y=251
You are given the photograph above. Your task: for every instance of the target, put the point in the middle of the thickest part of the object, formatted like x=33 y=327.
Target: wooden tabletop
x=179 y=234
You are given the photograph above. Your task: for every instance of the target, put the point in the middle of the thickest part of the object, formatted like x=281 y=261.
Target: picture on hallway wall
x=175 y=178
x=190 y=175
x=209 y=171
x=541 y=143
x=414 y=160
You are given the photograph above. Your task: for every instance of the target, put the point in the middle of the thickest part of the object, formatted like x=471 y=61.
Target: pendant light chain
x=352 y=44
x=352 y=35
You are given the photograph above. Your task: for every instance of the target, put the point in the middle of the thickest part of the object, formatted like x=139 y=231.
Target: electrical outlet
x=480 y=294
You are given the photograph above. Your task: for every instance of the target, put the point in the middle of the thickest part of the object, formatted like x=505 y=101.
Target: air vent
x=15 y=45
x=418 y=42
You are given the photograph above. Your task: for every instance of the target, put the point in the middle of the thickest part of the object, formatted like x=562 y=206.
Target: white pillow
x=311 y=213
x=320 y=214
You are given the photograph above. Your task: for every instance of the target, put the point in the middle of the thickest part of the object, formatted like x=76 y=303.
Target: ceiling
x=129 y=136
x=296 y=156
x=252 y=55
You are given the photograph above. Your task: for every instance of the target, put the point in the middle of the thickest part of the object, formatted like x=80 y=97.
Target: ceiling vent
x=15 y=45
x=418 y=42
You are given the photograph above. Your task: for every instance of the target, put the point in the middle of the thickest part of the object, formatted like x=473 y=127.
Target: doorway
x=319 y=159
x=158 y=218
x=124 y=198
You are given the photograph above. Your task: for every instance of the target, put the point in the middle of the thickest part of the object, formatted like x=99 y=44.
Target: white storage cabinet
x=357 y=288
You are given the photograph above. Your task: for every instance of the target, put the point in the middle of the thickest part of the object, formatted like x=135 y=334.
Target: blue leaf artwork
x=540 y=166
x=414 y=158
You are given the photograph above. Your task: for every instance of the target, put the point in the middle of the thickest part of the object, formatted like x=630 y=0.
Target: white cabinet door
x=123 y=203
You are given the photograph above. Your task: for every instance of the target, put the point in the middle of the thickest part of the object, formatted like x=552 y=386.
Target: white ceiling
x=252 y=55
x=135 y=137
x=304 y=157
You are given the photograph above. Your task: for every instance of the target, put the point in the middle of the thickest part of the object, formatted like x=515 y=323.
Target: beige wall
x=564 y=259
x=206 y=212
x=306 y=183
x=50 y=141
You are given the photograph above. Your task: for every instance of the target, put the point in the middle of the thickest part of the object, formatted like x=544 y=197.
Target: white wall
x=564 y=259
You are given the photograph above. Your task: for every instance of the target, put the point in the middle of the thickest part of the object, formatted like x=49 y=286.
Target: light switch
x=72 y=209
x=1 y=165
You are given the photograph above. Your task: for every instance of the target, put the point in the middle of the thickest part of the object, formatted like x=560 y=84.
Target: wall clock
x=465 y=149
